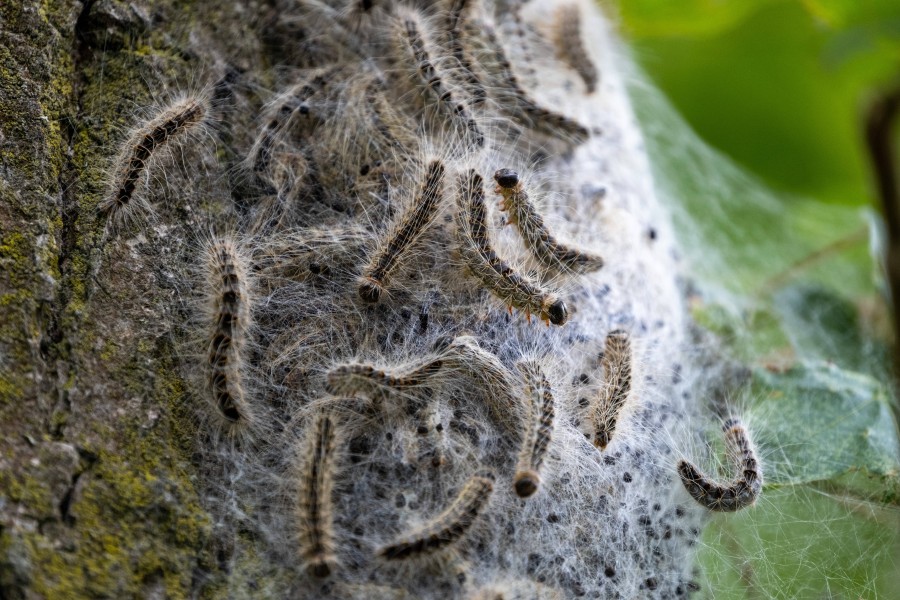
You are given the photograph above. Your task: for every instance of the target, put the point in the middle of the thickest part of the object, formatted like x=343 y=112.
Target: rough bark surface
x=113 y=481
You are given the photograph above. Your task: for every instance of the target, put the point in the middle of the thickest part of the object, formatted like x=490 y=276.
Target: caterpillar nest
x=374 y=341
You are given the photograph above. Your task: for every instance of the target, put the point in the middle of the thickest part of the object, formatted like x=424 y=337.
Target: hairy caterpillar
x=415 y=41
x=571 y=47
x=229 y=300
x=530 y=224
x=347 y=380
x=538 y=429
x=455 y=18
x=408 y=230
x=520 y=107
x=740 y=493
x=314 y=510
x=448 y=527
x=616 y=363
x=490 y=269
x=172 y=123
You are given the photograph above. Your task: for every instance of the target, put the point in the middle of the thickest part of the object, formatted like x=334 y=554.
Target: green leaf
x=820 y=422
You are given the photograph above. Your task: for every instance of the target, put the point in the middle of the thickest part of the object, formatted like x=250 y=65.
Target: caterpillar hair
x=447 y=528
x=314 y=508
x=740 y=493
x=410 y=227
x=538 y=429
x=522 y=213
x=616 y=363
x=497 y=276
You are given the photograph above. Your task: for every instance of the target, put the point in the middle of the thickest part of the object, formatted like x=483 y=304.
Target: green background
x=753 y=112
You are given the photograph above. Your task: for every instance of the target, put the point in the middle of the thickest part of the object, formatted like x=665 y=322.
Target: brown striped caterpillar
x=522 y=213
x=448 y=527
x=229 y=308
x=413 y=37
x=455 y=19
x=616 y=363
x=538 y=429
x=352 y=379
x=741 y=492
x=314 y=509
x=172 y=124
x=294 y=101
x=519 y=106
x=514 y=289
x=571 y=47
x=410 y=227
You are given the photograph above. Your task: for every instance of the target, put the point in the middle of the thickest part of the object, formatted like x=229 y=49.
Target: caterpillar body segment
x=447 y=528
x=413 y=36
x=170 y=125
x=314 y=507
x=616 y=362
x=352 y=379
x=740 y=493
x=229 y=307
x=551 y=253
x=411 y=226
x=514 y=289
x=538 y=429
x=571 y=47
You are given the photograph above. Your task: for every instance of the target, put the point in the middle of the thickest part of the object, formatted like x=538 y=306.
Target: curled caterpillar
x=538 y=429
x=447 y=528
x=408 y=230
x=494 y=273
x=740 y=493
x=616 y=362
x=552 y=254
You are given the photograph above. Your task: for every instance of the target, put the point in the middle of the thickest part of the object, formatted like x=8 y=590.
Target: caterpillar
x=616 y=363
x=455 y=17
x=571 y=47
x=290 y=103
x=743 y=491
x=229 y=299
x=519 y=106
x=491 y=270
x=170 y=124
x=314 y=510
x=448 y=527
x=350 y=379
x=414 y=40
x=408 y=230
x=552 y=254
x=538 y=429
